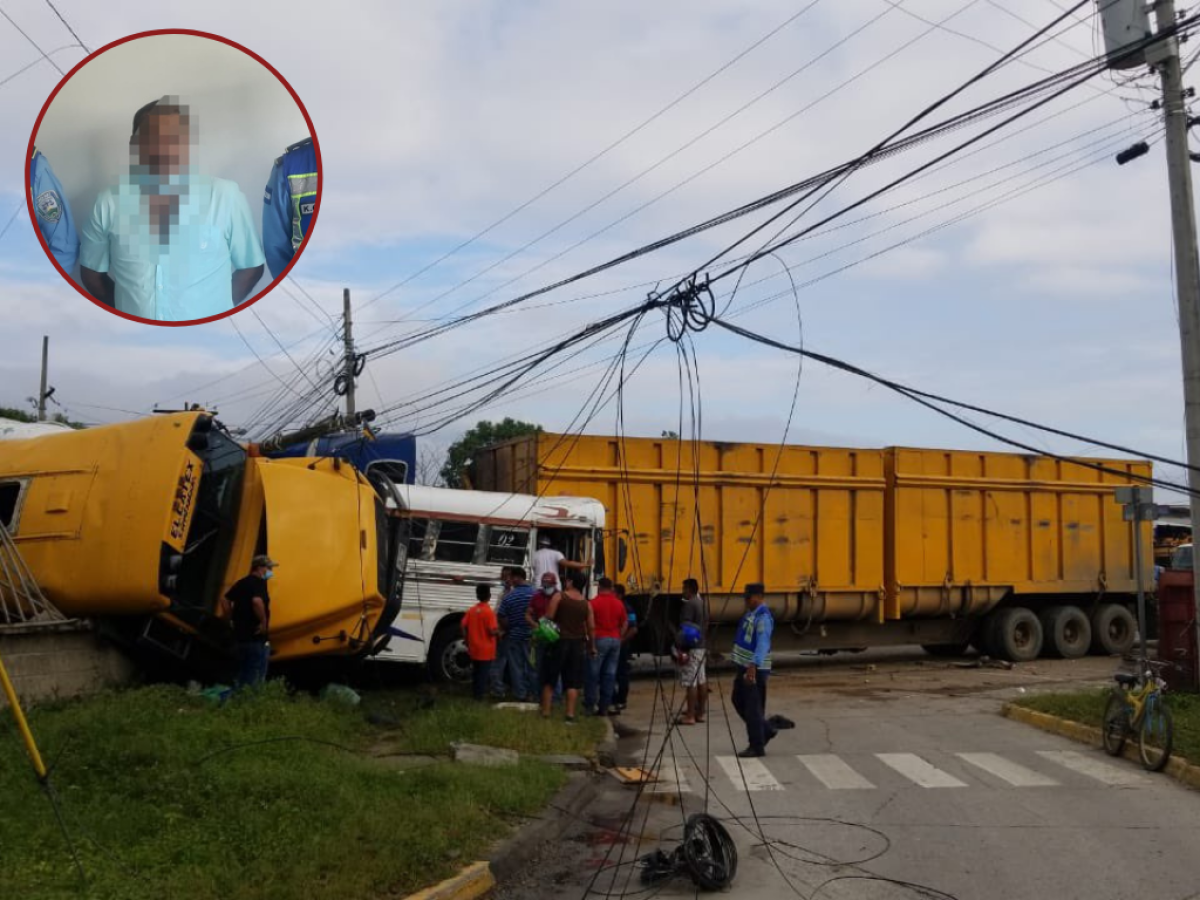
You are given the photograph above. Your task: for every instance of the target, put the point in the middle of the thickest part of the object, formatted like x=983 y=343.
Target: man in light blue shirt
x=167 y=243
x=53 y=215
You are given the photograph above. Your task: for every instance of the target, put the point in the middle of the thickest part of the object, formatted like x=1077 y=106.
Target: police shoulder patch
x=49 y=207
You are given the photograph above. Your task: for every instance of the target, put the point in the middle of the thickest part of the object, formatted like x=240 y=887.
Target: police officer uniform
x=52 y=213
x=289 y=203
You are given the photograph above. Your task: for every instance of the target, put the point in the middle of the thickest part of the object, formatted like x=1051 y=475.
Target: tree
x=430 y=461
x=8 y=412
x=460 y=456
x=671 y=435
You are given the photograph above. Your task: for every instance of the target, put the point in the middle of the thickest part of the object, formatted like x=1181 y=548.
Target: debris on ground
x=339 y=693
x=566 y=760
x=518 y=706
x=632 y=775
x=707 y=855
x=984 y=662
x=480 y=755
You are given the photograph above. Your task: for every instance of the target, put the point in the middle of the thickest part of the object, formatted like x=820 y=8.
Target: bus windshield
x=210 y=537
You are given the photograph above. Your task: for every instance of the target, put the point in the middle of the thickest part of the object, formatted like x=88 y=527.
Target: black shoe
x=771 y=735
x=751 y=753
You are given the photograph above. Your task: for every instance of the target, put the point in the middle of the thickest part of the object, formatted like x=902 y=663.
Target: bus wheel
x=1113 y=630
x=448 y=657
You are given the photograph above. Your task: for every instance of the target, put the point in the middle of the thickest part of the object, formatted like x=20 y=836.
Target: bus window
x=507 y=546
x=456 y=542
x=416 y=538
x=10 y=498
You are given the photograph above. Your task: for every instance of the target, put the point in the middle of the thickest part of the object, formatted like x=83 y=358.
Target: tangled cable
x=689 y=307
x=707 y=855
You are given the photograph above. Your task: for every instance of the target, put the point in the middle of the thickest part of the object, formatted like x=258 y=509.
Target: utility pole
x=348 y=336
x=41 y=404
x=1165 y=55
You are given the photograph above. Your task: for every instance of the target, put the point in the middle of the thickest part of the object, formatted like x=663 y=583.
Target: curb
x=471 y=883
x=1177 y=767
x=516 y=852
x=606 y=750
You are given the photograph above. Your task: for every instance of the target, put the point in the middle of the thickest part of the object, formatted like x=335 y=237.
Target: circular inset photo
x=146 y=167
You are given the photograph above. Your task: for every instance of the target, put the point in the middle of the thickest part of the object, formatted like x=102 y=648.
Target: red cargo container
x=1177 y=628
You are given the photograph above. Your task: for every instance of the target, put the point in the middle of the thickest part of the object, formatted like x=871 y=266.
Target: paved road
x=903 y=771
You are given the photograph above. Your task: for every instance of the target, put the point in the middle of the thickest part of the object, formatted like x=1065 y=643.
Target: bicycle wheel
x=1115 y=728
x=1156 y=735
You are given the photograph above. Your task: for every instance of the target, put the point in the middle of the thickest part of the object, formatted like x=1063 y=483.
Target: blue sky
x=436 y=120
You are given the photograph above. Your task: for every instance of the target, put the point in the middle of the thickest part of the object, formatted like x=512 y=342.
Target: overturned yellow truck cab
x=143 y=526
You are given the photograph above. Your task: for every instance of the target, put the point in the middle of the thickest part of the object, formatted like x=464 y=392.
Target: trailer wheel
x=1018 y=635
x=449 y=660
x=1068 y=633
x=1113 y=630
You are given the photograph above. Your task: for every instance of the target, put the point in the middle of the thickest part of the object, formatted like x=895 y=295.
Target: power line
x=45 y=55
x=68 y=26
x=601 y=154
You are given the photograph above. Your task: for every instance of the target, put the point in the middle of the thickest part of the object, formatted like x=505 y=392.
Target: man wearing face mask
x=168 y=243
x=248 y=605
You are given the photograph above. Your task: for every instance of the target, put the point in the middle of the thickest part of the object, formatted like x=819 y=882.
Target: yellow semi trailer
x=1018 y=555
x=142 y=526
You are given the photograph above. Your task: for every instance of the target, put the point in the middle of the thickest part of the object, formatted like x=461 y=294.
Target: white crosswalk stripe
x=833 y=772
x=1089 y=765
x=1007 y=770
x=749 y=774
x=919 y=771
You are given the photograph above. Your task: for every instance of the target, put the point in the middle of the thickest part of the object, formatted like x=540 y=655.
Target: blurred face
x=162 y=144
x=754 y=601
x=549 y=584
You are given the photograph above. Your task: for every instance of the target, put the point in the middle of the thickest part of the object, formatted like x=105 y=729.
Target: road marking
x=1007 y=770
x=749 y=774
x=1088 y=765
x=918 y=771
x=832 y=772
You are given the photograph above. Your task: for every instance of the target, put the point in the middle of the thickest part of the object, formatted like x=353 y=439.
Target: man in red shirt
x=611 y=622
x=479 y=628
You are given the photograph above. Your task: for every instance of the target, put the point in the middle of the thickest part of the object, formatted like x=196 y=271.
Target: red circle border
x=245 y=304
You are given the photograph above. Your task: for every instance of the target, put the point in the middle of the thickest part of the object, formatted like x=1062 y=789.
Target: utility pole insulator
x=1141 y=148
x=1125 y=23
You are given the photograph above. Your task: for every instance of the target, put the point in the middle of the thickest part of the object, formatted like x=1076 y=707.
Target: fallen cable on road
x=707 y=855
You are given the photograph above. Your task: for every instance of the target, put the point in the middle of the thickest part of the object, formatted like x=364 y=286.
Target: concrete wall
x=68 y=660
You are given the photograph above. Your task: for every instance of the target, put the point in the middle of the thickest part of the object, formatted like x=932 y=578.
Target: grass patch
x=156 y=814
x=461 y=719
x=1087 y=707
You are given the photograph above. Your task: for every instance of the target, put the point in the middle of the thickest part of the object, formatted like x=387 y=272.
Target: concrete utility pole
x=41 y=404
x=348 y=336
x=1165 y=55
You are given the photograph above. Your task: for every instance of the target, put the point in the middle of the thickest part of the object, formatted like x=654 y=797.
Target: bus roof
x=561 y=512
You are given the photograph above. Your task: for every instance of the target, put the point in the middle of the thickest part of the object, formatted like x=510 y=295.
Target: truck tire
x=1067 y=630
x=449 y=661
x=1017 y=635
x=1113 y=630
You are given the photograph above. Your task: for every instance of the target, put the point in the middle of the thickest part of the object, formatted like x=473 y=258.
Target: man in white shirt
x=547 y=559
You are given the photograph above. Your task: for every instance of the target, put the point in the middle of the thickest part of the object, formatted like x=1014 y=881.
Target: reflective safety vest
x=753 y=637
x=290 y=201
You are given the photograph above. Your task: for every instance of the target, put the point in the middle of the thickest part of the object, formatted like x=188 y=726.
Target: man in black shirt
x=248 y=605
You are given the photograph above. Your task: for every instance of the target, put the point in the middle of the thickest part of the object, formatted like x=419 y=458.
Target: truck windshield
x=209 y=540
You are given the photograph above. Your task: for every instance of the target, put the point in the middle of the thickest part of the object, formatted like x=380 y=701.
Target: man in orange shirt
x=479 y=628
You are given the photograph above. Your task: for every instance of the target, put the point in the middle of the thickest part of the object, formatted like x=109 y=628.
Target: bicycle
x=1138 y=706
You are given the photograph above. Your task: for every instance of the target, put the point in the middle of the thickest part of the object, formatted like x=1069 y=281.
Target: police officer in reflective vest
x=52 y=213
x=289 y=203
x=752 y=656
